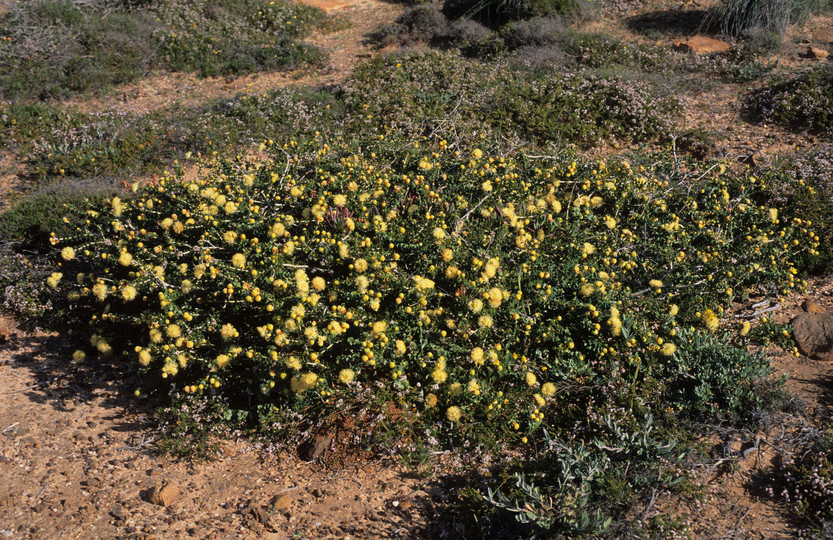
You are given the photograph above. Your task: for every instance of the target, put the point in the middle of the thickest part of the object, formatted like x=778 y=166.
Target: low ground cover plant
x=484 y=300
x=55 y=48
x=802 y=102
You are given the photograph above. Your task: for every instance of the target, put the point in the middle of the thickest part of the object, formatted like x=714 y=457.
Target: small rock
x=255 y=512
x=163 y=494
x=282 y=503
x=811 y=307
x=700 y=45
x=813 y=332
x=815 y=53
x=315 y=447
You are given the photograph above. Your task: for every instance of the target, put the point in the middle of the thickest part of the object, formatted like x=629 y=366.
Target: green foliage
x=496 y=12
x=708 y=376
x=737 y=17
x=806 y=481
x=56 y=48
x=802 y=102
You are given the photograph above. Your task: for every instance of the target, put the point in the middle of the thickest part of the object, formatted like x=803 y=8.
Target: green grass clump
x=52 y=49
x=738 y=17
x=803 y=102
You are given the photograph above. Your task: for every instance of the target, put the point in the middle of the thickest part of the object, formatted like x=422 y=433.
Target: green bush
x=56 y=48
x=802 y=102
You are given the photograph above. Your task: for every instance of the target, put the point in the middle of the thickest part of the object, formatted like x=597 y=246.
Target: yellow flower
x=588 y=249
x=100 y=291
x=173 y=331
x=673 y=310
x=710 y=320
x=303 y=383
x=223 y=360
x=476 y=305
x=339 y=200
x=229 y=237
x=346 y=375
x=128 y=292
x=473 y=387
x=477 y=355
x=378 y=328
x=539 y=400
x=668 y=349
x=360 y=265
x=455 y=389
x=144 y=357
x=438 y=233
x=548 y=389
x=615 y=324
x=610 y=222
x=230 y=207
x=78 y=356
x=773 y=214
x=477 y=153
x=295 y=192
x=655 y=284
x=199 y=271
x=104 y=348
x=486 y=186
x=586 y=290
x=531 y=379
x=431 y=400
x=238 y=260
x=423 y=284
x=67 y=253
x=745 y=327
x=453 y=413
x=55 y=277
x=227 y=331
x=447 y=255
x=277 y=229
x=186 y=286
x=318 y=283
x=155 y=335
x=125 y=258
x=400 y=347
x=439 y=376
x=495 y=297
x=452 y=272
x=485 y=321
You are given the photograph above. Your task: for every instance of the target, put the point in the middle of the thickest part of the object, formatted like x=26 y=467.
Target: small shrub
x=802 y=102
x=805 y=481
x=495 y=13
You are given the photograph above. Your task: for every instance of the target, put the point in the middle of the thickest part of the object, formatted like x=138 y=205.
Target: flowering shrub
x=483 y=293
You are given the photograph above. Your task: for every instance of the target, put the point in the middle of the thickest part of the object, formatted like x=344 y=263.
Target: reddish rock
x=163 y=494
x=811 y=307
x=701 y=45
x=813 y=333
x=815 y=53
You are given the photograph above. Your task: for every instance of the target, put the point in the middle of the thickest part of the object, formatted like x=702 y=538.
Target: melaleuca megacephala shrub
x=489 y=297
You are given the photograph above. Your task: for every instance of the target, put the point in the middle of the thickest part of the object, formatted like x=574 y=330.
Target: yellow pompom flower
x=539 y=400
x=453 y=413
x=476 y=305
x=346 y=375
x=173 y=331
x=495 y=297
x=238 y=260
x=303 y=383
x=378 y=328
x=431 y=400
x=485 y=321
x=668 y=349
x=447 y=255
x=477 y=355
x=223 y=360
x=360 y=265
x=655 y=284
x=318 y=283
x=100 y=291
x=54 y=278
x=144 y=357
x=455 y=389
x=79 y=356
x=227 y=331
x=745 y=327
x=477 y=153
x=155 y=335
x=439 y=376
x=673 y=310
x=339 y=200
x=128 y=292
x=438 y=233
x=586 y=290
x=473 y=387
x=67 y=253
x=400 y=347
x=229 y=237
x=710 y=320
x=548 y=389
x=125 y=258
x=531 y=379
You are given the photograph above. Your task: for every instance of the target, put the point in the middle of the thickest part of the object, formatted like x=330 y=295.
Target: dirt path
x=78 y=461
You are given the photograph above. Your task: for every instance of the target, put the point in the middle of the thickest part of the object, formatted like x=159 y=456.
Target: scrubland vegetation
x=427 y=241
